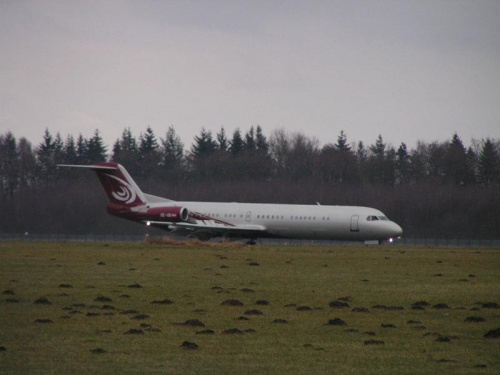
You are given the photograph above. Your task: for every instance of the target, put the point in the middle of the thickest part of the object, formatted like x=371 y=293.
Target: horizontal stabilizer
x=93 y=167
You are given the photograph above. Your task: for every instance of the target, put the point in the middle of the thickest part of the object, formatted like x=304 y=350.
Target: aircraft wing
x=210 y=227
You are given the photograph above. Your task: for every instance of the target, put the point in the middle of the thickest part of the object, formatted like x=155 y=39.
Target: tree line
x=461 y=182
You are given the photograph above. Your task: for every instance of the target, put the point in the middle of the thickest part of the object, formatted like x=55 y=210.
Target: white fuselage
x=302 y=221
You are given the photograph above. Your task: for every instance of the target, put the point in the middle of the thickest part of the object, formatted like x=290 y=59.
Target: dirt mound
x=345 y=299
x=133 y=331
x=103 y=299
x=490 y=305
x=98 y=351
x=232 y=331
x=192 y=323
x=108 y=307
x=246 y=290
x=360 y=310
x=232 y=302
x=420 y=304
x=262 y=302
x=369 y=333
x=140 y=317
x=338 y=304
x=242 y=318
x=475 y=319
x=43 y=301
x=65 y=286
x=303 y=308
x=90 y=314
x=493 y=334
x=135 y=286
x=253 y=312
x=441 y=306
x=101 y=264
x=162 y=302
x=187 y=345
x=3 y=348
x=255 y=264
x=388 y=325
x=414 y=322
x=280 y=321
x=336 y=322
x=443 y=339
x=43 y=321
x=374 y=342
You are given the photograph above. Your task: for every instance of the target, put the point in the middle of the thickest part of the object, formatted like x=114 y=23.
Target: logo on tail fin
x=126 y=194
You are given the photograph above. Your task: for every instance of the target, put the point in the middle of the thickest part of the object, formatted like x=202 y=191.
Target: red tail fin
x=120 y=188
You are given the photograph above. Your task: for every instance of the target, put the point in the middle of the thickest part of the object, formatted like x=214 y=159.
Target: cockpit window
x=383 y=218
x=372 y=218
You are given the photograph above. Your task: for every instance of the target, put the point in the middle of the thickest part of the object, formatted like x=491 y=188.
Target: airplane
x=251 y=221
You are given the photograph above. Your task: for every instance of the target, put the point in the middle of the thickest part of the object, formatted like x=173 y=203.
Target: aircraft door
x=354 y=223
x=248 y=216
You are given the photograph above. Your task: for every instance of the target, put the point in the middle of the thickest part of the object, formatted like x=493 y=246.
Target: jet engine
x=170 y=213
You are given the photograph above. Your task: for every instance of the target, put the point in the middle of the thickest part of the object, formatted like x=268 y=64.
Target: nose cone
x=396 y=229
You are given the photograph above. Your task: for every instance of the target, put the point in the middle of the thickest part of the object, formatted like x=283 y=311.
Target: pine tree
x=96 y=150
x=402 y=163
x=148 y=143
x=489 y=164
x=236 y=143
x=204 y=145
x=342 y=144
x=70 y=154
x=58 y=149
x=81 y=150
x=9 y=166
x=361 y=153
x=378 y=149
x=222 y=141
x=260 y=140
x=45 y=157
x=128 y=152
x=172 y=149
x=455 y=161
x=27 y=163
x=250 y=144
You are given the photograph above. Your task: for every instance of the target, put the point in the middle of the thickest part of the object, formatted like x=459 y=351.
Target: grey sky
x=408 y=70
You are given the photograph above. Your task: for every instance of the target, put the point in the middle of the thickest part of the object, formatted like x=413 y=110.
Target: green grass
x=305 y=276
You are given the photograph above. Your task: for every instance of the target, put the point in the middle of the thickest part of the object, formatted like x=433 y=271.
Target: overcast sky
x=409 y=70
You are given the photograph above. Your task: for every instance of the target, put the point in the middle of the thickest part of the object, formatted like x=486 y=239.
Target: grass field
x=101 y=318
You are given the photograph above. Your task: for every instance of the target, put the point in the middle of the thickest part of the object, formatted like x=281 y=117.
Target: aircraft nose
x=397 y=230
